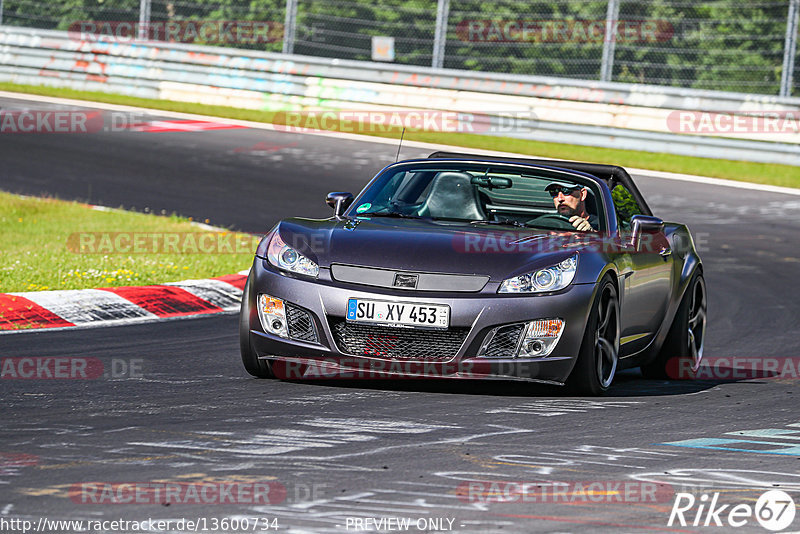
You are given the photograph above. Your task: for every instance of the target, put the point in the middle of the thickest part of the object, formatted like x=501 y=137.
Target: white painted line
x=202 y=226
x=379 y=140
x=207 y=227
x=718 y=181
x=85 y=306
x=217 y=292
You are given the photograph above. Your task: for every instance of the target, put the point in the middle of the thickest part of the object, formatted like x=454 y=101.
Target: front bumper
x=325 y=301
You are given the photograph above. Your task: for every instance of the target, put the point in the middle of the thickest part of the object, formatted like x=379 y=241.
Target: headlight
x=544 y=280
x=285 y=257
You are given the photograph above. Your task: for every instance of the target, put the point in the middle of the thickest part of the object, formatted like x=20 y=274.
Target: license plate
x=398 y=313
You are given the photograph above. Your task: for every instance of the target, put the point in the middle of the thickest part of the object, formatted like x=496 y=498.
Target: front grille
x=504 y=343
x=397 y=343
x=301 y=326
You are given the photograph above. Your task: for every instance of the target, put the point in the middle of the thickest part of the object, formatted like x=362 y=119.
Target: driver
x=570 y=202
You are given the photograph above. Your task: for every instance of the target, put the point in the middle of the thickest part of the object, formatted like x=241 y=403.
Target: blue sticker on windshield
x=363 y=207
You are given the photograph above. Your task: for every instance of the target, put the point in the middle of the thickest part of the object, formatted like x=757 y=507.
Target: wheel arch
x=611 y=273
x=691 y=264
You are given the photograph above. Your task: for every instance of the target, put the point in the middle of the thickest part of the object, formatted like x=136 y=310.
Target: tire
x=254 y=366
x=683 y=347
x=599 y=353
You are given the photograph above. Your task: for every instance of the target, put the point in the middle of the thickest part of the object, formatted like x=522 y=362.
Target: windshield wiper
x=391 y=214
x=516 y=224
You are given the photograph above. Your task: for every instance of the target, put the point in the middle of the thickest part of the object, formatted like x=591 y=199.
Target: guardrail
x=601 y=114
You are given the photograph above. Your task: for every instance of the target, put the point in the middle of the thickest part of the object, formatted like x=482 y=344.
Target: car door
x=646 y=282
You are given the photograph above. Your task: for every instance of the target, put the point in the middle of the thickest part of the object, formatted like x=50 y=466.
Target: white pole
x=789 y=48
x=144 y=19
x=440 y=36
x=610 y=41
x=290 y=23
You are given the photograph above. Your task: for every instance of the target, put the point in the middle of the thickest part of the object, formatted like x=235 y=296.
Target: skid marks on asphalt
x=437 y=494
x=14 y=464
x=326 y=433
x=720 y=478
x=329 y=160
x=331 y=515
x=556 y=407
x=572 y=471
x=326 y=398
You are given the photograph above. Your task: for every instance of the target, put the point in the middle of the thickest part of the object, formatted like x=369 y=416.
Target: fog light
x=541 y=337
x=272 y=315
x=534 y=347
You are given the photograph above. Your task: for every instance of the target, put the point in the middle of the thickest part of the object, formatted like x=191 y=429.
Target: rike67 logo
x=774 y=510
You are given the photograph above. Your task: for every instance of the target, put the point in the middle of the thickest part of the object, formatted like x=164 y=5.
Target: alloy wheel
x=606 y=343
x=697 y=323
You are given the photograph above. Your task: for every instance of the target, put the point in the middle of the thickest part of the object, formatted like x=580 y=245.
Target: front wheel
x=682 y=351
x=254 y=366
x=599 y=354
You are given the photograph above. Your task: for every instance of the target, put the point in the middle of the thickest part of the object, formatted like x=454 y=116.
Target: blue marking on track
x=719 y=444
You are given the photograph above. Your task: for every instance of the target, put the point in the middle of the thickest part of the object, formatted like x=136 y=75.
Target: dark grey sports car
x=466 y=266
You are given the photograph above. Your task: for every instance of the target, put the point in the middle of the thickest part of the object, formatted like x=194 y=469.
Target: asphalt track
x=176 y=405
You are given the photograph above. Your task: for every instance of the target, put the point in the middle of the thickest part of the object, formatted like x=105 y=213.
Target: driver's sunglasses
x=554 y=191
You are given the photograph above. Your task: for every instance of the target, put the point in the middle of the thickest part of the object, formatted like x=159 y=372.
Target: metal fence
x=576 y=112
x=725 y=45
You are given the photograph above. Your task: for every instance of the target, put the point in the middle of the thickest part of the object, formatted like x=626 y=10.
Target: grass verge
x=52 y=244
x=763 y=173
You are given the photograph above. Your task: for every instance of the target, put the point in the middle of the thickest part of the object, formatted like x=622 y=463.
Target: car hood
x=420 y=245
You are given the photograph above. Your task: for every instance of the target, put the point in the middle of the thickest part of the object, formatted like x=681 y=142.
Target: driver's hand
x=580 y=224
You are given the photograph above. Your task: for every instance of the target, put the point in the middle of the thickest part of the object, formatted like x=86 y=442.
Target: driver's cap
x=554 y=185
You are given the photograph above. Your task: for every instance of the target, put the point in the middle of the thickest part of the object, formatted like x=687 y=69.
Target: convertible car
x=474 y=267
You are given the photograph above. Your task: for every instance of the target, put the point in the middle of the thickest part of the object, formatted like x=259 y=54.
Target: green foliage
x=625 y=205
x=39 y=238
x=726 y=45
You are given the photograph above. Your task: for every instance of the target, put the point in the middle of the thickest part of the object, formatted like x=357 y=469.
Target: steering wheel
x=553 y=219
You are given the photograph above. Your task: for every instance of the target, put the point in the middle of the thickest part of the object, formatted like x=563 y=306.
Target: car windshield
x=478 y=194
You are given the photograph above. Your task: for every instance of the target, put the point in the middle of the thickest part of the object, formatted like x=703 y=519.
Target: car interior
x=468 y=195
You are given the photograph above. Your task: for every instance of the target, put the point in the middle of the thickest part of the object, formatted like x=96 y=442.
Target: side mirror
x=643 y=224
x=339 y=201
